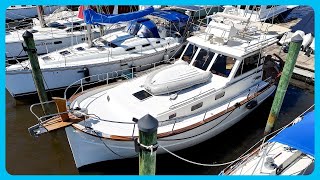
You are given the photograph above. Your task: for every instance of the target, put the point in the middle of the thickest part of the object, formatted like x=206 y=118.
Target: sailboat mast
x=89 y=37
x=40 y=16
x=99 y=10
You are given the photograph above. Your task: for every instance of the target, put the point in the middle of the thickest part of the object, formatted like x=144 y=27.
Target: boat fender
x=251 y=104
x=279 y=169
x=86 y=73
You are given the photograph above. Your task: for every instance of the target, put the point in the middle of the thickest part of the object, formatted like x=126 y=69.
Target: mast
x=89 y=37
x=99 y=10
x=40 y=16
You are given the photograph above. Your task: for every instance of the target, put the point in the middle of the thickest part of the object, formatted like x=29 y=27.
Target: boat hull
x=20 y=82
x=88 y=149
x=27 y=12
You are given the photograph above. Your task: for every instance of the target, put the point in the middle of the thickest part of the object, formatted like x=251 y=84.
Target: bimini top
x=92 y=17
x=171 y=16
x=299 y=136
x=143 y=27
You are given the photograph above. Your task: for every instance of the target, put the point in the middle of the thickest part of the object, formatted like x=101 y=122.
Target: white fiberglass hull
x=43 y=46
x=20 y=82
x=27 y=12
x=88 y=149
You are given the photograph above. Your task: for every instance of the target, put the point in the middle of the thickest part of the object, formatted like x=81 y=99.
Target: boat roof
x=171 y=16
x=299 y=136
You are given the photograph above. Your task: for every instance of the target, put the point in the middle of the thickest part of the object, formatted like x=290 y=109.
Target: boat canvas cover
x=299 y=136
x=306 y=24
x=92 y=17
x=171 y=16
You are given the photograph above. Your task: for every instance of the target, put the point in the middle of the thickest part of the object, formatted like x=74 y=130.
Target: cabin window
x=46 y=58
x=172 y=115
x=145 y=45
x=255 y=8
x=132 y=48
x=220 y=95
x=203 y=59
x=222 y=65
x=270 y=6
x=157 y=42
x=57 y=42
x=248 y=64
x=142 y=95
x=197 y=106
x=80 y=48
x=189 y=53
x=56 y=25
x=64 y=52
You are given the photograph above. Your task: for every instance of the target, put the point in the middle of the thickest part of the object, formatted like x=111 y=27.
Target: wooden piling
x=36 y=71
x=147 y=126
x=291 y=59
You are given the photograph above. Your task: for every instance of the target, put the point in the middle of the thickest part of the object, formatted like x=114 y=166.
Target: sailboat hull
x=20 y=82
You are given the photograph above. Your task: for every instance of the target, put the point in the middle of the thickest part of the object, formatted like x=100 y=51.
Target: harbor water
x=51 y=154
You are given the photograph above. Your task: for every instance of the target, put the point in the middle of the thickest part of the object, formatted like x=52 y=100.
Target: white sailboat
x=16 y=12
x=141 y=42
x=221 y=76
x=289 y=152
x=62 y=29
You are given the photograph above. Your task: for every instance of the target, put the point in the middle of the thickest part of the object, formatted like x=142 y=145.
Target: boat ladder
x=62 y=117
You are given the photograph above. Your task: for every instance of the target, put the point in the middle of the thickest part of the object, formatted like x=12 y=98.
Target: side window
x=250 y=63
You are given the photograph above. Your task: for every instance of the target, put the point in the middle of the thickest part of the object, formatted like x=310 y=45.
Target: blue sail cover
x=92 y=17
x=299 y=136
x=171 y=16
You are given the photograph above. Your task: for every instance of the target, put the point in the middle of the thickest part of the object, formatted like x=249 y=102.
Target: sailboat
x=142 y=41
x=61 y=29
x=221 y=76
x=16 y=12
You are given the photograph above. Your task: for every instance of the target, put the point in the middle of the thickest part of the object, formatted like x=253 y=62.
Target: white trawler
x=257 y=13
x=142 y=41
x=221 y=76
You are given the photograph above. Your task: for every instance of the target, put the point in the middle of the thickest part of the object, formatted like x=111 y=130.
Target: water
x=51 y=154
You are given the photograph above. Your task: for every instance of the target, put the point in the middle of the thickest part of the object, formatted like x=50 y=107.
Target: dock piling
x=147 y=126
x=36 y=71
x=287 y=71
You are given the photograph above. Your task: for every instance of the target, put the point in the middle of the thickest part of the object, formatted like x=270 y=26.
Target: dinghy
x=307 y=40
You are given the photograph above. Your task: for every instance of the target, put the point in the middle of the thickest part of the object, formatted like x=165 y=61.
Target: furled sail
x=92 y=17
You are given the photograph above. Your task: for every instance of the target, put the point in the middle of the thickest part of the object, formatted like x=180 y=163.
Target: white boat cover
x=179 y=76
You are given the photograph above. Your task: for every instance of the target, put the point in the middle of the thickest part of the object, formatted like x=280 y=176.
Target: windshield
x=189 y=52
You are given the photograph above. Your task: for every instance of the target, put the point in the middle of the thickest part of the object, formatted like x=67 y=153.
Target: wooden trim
x=178 y=131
